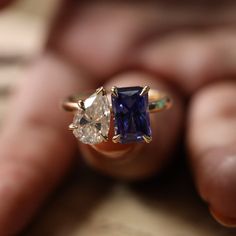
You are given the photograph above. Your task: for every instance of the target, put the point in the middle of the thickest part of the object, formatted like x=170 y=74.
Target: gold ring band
x=158 y=101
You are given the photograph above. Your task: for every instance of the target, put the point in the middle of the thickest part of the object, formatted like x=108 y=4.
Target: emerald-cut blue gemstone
x=131 y=116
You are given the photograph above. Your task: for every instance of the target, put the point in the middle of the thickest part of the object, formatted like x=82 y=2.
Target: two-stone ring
x=128 y=106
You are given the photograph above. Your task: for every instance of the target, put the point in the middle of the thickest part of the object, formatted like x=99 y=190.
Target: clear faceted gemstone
x=94 y=122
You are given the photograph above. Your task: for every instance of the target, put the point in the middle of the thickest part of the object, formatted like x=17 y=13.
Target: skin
x=126 y=44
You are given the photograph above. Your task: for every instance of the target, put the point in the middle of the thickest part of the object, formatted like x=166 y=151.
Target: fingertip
x=107 y=157
x=216 y=180
x=114 y=151
x=223 y=220
x=211 y=140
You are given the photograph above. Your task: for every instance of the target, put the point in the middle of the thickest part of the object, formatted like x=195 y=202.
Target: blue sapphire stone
x=131 y=114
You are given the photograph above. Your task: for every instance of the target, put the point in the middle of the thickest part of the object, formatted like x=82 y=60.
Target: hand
x=190 y=54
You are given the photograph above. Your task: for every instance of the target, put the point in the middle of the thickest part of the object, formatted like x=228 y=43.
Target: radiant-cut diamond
x=131 y=114
x=93 y=122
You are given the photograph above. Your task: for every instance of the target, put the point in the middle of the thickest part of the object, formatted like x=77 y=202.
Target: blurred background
x=23 y=28
x=88 y=204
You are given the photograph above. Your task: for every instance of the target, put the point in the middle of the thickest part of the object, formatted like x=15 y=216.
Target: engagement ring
x=128 y=107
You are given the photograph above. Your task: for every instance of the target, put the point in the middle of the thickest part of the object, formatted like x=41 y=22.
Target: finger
x=191 y=60
x=35 y=147
x=90 y=36
x=140 y=160
x=211 y=140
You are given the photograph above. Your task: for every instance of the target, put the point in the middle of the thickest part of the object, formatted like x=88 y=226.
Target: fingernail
x=116 y=153
x=223 y=220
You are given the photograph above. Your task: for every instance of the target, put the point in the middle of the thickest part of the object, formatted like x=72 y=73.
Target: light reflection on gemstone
x=94 y=122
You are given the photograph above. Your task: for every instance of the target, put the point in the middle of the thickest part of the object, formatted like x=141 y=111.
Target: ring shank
x=158 y=101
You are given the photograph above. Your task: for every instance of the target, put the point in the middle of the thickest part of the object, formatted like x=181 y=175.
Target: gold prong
x=114 y=91
x=145 y=90
x=105 y=138
x=101 y=90
x=116 y=138
x=147 y=138
x=73 y=126
x=81 y=105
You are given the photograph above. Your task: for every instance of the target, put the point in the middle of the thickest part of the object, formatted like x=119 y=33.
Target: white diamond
x=94 y=121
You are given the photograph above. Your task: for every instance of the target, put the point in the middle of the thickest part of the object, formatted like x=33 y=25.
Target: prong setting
x=101 y=90
x=81 y=105
x=145 y=90
x=105 y=138
x=73 y=127
x=147 y=138
x=116 y=138
x=114 y=91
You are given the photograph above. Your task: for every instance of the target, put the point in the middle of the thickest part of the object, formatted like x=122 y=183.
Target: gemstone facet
x=92 y=123
x=131 y=116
